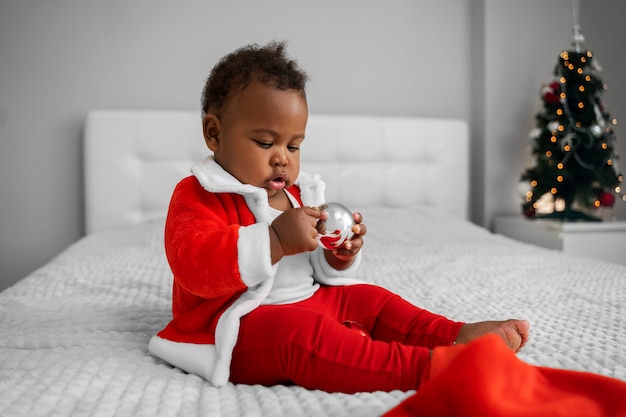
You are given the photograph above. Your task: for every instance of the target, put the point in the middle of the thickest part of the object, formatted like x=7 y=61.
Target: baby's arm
x=341 y=258
x=210 y=255
x=294 y=232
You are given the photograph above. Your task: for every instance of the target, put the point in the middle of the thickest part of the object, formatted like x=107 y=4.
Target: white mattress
x=74 y=334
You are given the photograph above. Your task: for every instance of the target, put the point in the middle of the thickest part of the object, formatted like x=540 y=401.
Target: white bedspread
x=74 y=334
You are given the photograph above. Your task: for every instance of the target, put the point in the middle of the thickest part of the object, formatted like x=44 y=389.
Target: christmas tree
x=574 y=165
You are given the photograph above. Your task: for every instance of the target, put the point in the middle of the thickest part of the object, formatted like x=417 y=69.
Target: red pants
x=307 y=344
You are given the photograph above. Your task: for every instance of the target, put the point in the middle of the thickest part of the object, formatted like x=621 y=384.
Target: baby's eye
x=293 y=148
x=263 y=144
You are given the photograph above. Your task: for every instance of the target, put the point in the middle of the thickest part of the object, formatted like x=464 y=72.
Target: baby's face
x=261 y=130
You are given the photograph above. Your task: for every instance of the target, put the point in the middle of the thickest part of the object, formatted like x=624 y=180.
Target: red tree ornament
x=551 y=92
x=606 y=199
x=529 y=211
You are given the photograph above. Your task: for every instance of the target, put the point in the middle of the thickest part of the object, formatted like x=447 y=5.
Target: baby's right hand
x=295 y=230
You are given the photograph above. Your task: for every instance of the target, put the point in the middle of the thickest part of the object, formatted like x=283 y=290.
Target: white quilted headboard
x=133 y=160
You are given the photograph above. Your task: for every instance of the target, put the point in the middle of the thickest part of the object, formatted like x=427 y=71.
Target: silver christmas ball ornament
x=333 y=232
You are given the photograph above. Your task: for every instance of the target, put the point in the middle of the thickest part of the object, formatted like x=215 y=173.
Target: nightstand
x=600 y=240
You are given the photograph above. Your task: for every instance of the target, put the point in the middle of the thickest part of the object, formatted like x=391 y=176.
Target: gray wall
x=481 y=60
x=522 y=43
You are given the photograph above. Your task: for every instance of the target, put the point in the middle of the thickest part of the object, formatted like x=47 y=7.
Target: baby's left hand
x=355 y=243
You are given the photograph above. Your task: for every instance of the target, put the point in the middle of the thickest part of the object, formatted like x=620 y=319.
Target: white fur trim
x=258 y=204
x=228 y=329
x=190 y=357
x=216 y=179
x=254 y=254
x=312 y=189
x=328 y=275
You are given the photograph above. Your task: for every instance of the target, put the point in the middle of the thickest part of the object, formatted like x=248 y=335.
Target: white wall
x=482 y=60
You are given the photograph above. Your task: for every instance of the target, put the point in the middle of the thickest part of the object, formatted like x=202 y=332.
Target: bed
x=74 y=333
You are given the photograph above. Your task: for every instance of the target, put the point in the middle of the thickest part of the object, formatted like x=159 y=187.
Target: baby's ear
x=211 y=128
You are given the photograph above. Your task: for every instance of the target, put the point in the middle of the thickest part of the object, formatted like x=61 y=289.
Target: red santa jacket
x=217 y=245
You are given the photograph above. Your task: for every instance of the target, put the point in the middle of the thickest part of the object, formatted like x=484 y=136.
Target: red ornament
x=551 y=98
x=530 y=212
x=550 y=92
x=606 y=199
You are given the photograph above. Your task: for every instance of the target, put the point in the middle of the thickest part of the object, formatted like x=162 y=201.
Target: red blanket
x=485 y=378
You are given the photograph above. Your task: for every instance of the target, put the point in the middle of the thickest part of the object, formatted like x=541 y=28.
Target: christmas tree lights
x=574 y=168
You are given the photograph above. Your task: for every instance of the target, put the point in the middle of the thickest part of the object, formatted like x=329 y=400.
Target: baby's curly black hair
x=266 y=64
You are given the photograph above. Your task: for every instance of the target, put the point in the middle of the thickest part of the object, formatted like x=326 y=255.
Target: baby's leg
x=390 y=318
x=293 y=344
x=514 y=332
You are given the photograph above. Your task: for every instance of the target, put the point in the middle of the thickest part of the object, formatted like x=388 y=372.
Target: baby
x=255 y=299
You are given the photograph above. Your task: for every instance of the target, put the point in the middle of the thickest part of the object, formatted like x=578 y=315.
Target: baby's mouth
x=277 y=183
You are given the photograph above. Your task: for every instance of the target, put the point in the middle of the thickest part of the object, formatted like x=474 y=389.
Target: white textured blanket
x=74 y=334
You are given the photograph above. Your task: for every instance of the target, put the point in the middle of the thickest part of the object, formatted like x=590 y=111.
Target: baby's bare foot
x=514 y=332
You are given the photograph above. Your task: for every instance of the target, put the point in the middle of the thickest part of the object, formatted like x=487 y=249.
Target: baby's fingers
x=348 y=250
x=314 y=212
x=359 y=229
x=352 y=246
